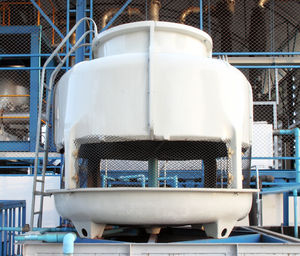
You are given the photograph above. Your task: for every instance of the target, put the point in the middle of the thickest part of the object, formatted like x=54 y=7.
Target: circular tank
x=153 y=93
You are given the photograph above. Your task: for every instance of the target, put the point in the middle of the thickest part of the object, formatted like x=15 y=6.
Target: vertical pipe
x=296 y=132
x=286 y=208
x=295 y=192
x=9 y=233
x=80 y=13
x=1 y=221
x=297 y=153
x=258 y=205
x=39 y=14
x=5 y=234
x=14 y=225
x=295 y=213
x=67 y=31
x=201 y=14
x=154 y=9
x=3 y=15
x=68 y=244
x=8 y=18
x=153 y=173
x=91 y=25
x=53 y=20
x=208 y=17
x=19 y=225
x=276 y=86
x=23 y=216
x=275 y=137
x=34 y=85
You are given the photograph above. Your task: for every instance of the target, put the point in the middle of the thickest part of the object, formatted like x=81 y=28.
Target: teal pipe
x=295 y=192
x=153 y=173
x=41 y=230
x=296 y=133
x=68 y=244
x=49 y=238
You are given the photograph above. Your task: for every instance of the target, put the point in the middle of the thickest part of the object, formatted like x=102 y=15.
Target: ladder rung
x=40 y=181
x=40 y=193
x=36 y=213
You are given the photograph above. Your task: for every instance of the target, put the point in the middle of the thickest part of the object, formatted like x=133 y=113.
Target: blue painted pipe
x=41 y=230
x=68 y=243
x=49 y=238
x=67 y=240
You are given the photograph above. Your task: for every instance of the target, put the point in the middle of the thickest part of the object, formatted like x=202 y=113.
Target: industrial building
x=149 y=127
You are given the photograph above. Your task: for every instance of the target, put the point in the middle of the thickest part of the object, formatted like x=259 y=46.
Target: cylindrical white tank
x=153 y=91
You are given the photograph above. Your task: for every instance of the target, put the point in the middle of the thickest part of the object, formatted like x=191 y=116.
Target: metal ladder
x=40 y=193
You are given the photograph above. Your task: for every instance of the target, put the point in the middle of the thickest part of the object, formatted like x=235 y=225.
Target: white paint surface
x=20 y=188
x=262 y=144
x=142 y=87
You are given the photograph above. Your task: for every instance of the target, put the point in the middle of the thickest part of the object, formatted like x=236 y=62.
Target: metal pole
x=295 y=192
x=80 y=13
x=201 y=14
x=153 y=173
x=258 y=213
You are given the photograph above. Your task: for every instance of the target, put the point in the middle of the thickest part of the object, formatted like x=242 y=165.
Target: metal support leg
x=153 y=173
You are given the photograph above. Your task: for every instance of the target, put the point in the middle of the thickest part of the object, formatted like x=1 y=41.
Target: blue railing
x=12 y=214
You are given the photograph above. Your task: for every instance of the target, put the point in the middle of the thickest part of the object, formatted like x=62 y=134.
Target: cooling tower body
x=153 y=93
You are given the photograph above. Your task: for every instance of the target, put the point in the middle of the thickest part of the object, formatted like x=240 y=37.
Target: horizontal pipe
x=273 y=158
x=280 y=189
x=254 y=53
x=42 y=230
x=28 y=55
x=29 y=68
x=214 y=54
x=14 y=95
x=264 y=67
x=49 y=238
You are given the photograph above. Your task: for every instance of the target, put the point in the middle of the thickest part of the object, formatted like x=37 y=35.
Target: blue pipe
x=254 y=53
x=68 y=243
x=273 y=158
x=296 y=133
x=49 y=238
x=42 y=230
x=201 y=15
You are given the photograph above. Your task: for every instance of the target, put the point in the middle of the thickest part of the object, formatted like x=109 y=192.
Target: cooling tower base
x=93 y=208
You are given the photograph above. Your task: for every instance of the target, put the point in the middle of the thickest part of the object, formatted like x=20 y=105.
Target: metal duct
x=109 y=14
x=155 y=6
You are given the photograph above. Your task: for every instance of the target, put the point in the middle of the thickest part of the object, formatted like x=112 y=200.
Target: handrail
x=42 y=86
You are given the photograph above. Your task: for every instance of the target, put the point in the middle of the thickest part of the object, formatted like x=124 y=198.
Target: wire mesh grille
x=176 y=164
x=14 y=105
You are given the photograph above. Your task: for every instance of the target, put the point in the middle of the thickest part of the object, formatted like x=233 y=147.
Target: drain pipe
x=296 y=133
x=68 y=244
x=67 y=240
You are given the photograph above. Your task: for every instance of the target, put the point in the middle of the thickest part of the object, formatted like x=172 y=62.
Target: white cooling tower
x=153 y=93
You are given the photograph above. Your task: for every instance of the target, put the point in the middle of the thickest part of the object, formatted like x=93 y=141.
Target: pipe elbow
x=68 y=243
